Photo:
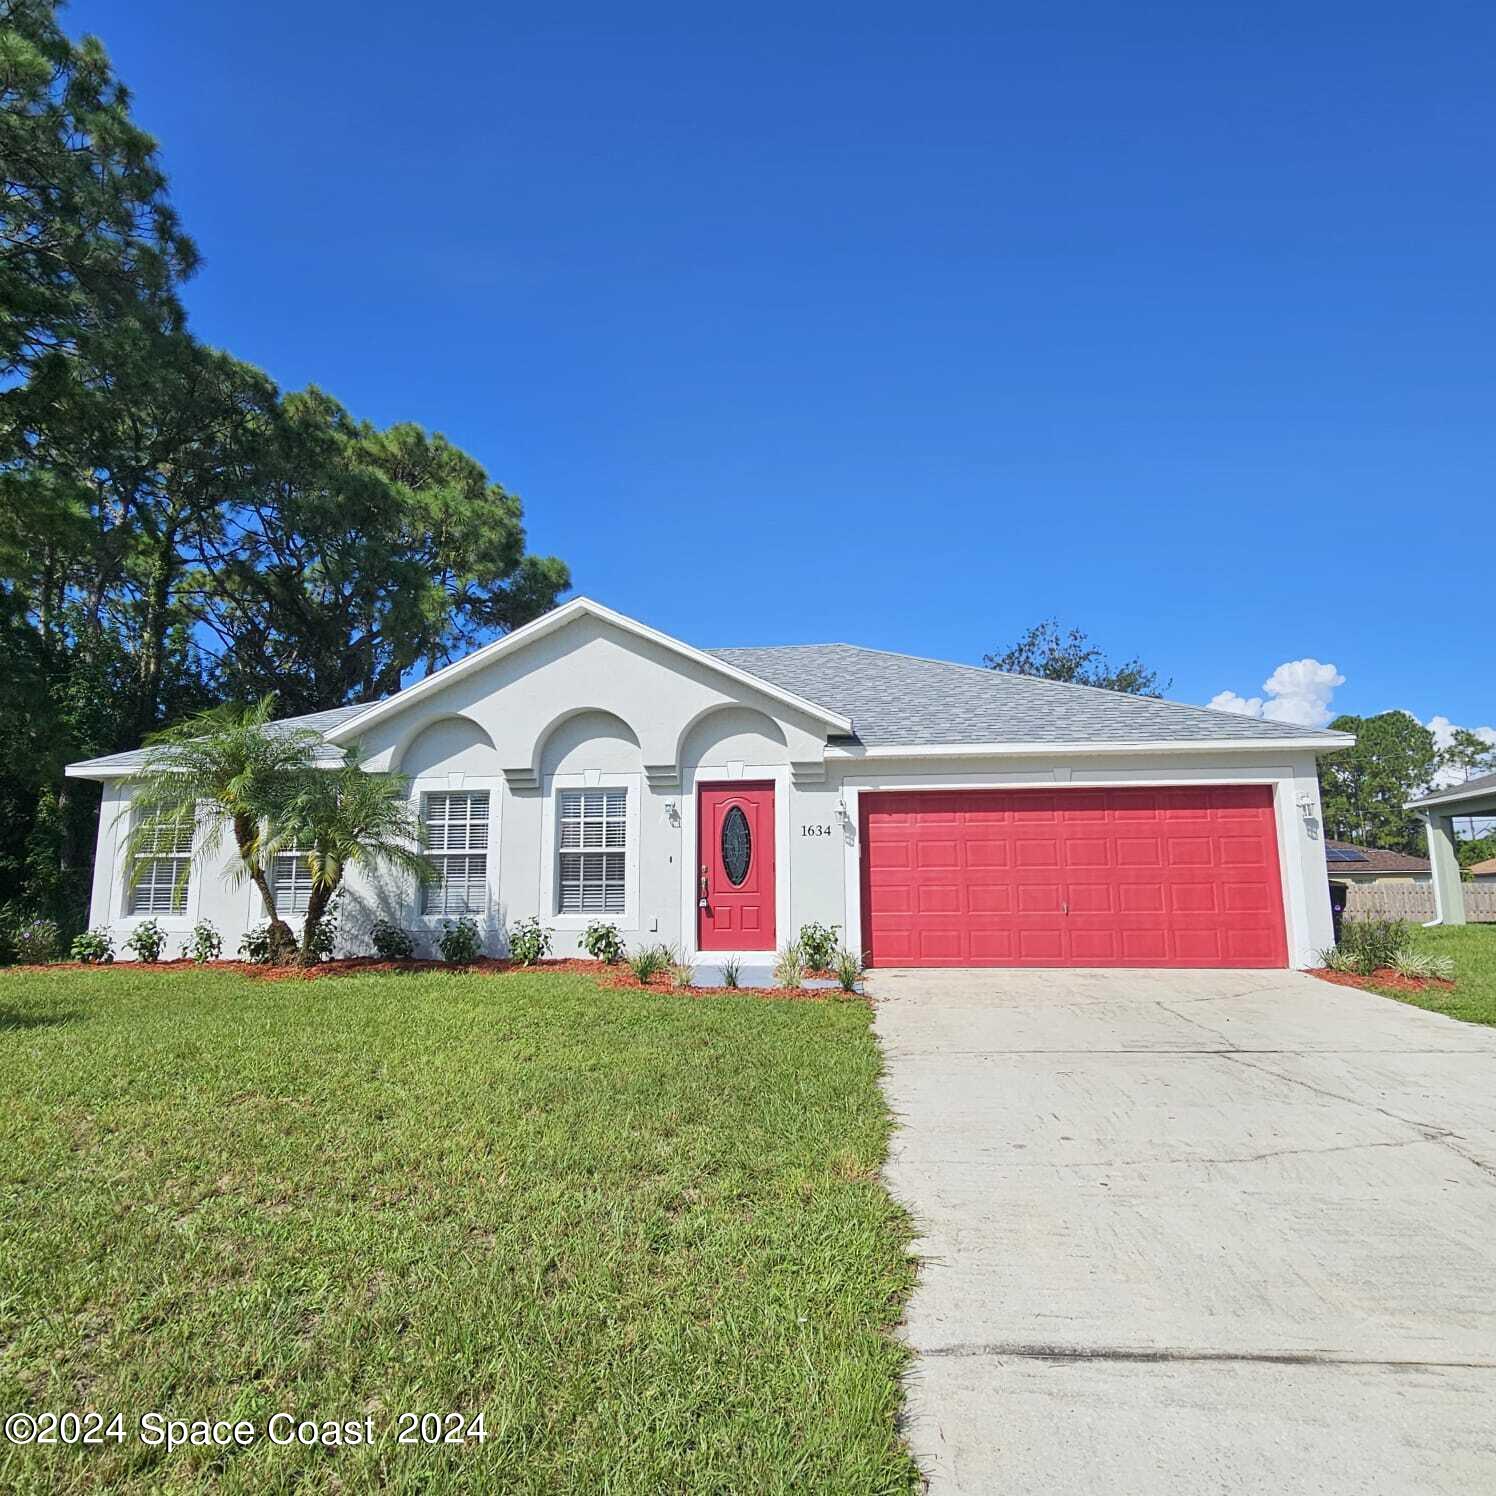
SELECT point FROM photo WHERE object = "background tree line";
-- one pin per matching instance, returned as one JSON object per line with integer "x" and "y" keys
{"x": 175, "y": 531}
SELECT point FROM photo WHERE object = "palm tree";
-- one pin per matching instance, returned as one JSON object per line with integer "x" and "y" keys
{"x": 338, "y": 817}
{"x": 224, "y": 769}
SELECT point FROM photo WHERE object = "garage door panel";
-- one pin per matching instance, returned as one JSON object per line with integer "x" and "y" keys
{"x": 1172, "y": 877}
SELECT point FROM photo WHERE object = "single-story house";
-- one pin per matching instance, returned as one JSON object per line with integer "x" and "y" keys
{"x": 588, "y": 767}
{"x": 1483, "y": 872}
{"x": 1348, "y": 863}
{"x": 1476, "y": 797}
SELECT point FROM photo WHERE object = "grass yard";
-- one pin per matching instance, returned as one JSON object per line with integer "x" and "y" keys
{"x": 1473, "y": 948}
{"x": 643, "y": 1236}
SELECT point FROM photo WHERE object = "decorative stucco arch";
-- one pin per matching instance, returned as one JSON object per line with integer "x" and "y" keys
{"x": 467, "y": 736}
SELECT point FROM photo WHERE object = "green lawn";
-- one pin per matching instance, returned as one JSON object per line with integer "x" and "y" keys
{"x": 1473, "y": 948}
{"x": 643, "y": 1236}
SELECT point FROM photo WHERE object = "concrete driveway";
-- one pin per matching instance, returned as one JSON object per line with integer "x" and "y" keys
{"x": 1194, "y": 1232}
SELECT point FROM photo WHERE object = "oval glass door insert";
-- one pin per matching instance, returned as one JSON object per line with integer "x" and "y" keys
{"x": 737, "y": 846}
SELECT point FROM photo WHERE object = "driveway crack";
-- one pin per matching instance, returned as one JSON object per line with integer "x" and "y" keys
{"x": 1426, "y": 1131}
{"x": 1152, "y": 1355}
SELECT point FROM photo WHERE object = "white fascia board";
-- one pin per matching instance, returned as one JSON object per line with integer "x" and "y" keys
{"x": 85, "y": 770}
{"x": 549, "y": 623}
{"x": 1048, "y": 750}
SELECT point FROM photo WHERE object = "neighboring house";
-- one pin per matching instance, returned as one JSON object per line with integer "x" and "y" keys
{"x": 1348, "y": 863}
{"x": 587, "y": 767}
{"x": 1483, "y": 872}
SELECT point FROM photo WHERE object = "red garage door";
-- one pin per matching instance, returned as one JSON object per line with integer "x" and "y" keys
{"x": 1166, "y": 877}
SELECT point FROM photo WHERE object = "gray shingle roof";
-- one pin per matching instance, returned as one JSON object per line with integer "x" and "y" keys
{"x": 134, "y": 758}
{"x": 1482, "y": 787}
{"x": 902, "y": 699}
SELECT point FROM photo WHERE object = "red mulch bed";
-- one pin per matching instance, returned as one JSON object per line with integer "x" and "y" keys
{"x": 1383, "y": 976}
{"x": 489, "y": 966}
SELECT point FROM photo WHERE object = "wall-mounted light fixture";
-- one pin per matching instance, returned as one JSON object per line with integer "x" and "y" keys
{"x": 672, "y": 812}
{"x": 841, "y": 811}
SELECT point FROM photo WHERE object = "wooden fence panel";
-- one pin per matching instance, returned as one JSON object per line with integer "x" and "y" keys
{"x": 1416, "y": 901}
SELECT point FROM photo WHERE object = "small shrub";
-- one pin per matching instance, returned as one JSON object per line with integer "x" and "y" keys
{"x": 255, "y": 946}
{"x": 732, "y": 972}
{"x": 147, "y": 940}
{"x": 96, "y": 947}
{"x": 529, "y": 940}
{"x": 682, "y": 972}
{"x": 1372, "y": 943}
{"x": 789, "y": 968}
{"x": 204, "y": 944}
{"x": 1422, "y": 966}
{"x": 848, "y": 969}
{"x": 602, "y": 942}
{"x": 649, "y": 961}
{"x": 818, "y": 945}
{"x": 1334, "y": 959}
{"x": 36, "y": 941}
{"x": 460, "y": 943}
{"x": 391, "y": 943}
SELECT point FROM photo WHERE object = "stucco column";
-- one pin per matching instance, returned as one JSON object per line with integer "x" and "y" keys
{"x": 1449, "y": 897}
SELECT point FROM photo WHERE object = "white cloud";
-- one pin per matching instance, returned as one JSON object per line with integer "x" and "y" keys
{"x": 1444, "y": 730}
{"x": 1297, "y": 691}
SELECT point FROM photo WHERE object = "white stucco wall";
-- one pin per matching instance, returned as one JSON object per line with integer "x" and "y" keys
{"x": 589, "y": 705}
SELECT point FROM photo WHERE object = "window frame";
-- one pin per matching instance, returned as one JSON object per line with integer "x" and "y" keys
{"x": 289, "y": 911}
{"x": 131, "y": 864}
{"x": 554, "y": 786}
{"x": 457, "y": 784}
{"x": 603, "y": 821}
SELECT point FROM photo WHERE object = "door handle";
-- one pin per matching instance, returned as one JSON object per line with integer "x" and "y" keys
{"x": 1064, "y": 906}
{"x": 701, "y": 902}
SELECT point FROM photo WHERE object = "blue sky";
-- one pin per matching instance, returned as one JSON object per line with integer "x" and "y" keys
{"x": 901, "y": 325}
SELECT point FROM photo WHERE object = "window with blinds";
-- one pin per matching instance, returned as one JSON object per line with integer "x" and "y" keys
{"x": 593, "y": 843}
{"x": 457, "y": 842}
{"x": 162, "y": 869}
{"x": 292, "y": 883}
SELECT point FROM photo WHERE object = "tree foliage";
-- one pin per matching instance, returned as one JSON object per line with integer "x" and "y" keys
{"x": 1052, "y": 653}
{"x": 1364, "y": 789}
{"x": 359, "y": 555}
{"x": 175, "y": 532}
{"x": 88, "y": 238}
{"x": 346, "y": 817}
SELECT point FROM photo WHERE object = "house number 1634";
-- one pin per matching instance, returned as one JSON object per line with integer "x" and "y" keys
{"x": 815, "y": 830}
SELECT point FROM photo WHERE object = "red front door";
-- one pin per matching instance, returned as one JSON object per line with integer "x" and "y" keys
{"x": 735, "y": 867}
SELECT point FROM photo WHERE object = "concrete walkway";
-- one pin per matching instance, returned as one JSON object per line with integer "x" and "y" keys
{"x": 1190, "y": 1232}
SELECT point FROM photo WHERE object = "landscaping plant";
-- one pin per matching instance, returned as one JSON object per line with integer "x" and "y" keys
{"x": 848, "y": 969}
{"x": 732, "y": 971}
{"x": 391, "y": 943}
{"x": 95, "y": 947}
{"x": 147, "y": 940}
{"x": 255, "y": 946}
{"x": 341, "y": 817}
{"x": 204, "y": 944}
{"x": 789, "y": 967}
{"x": 1422, "y": 966}
{"x": 818, "y": 946}
{"x": 648, "y": 961}
{"x": 460, "y": 943}
{"x": 602, "y": 942}
{"x": 1373, "y": 943}
{"x": 223, "y": 770}
{"x": 529, "y": 940}
{"x": 36, "y": 941}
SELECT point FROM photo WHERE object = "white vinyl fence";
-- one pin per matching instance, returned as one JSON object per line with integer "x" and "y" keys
{"x": 1416, "y": 900}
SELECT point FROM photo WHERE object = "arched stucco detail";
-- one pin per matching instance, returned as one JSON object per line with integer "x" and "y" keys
{"x": 449, "y": 745}
{"x": 587, "y": 738}
{"x": 729, "y": 732}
